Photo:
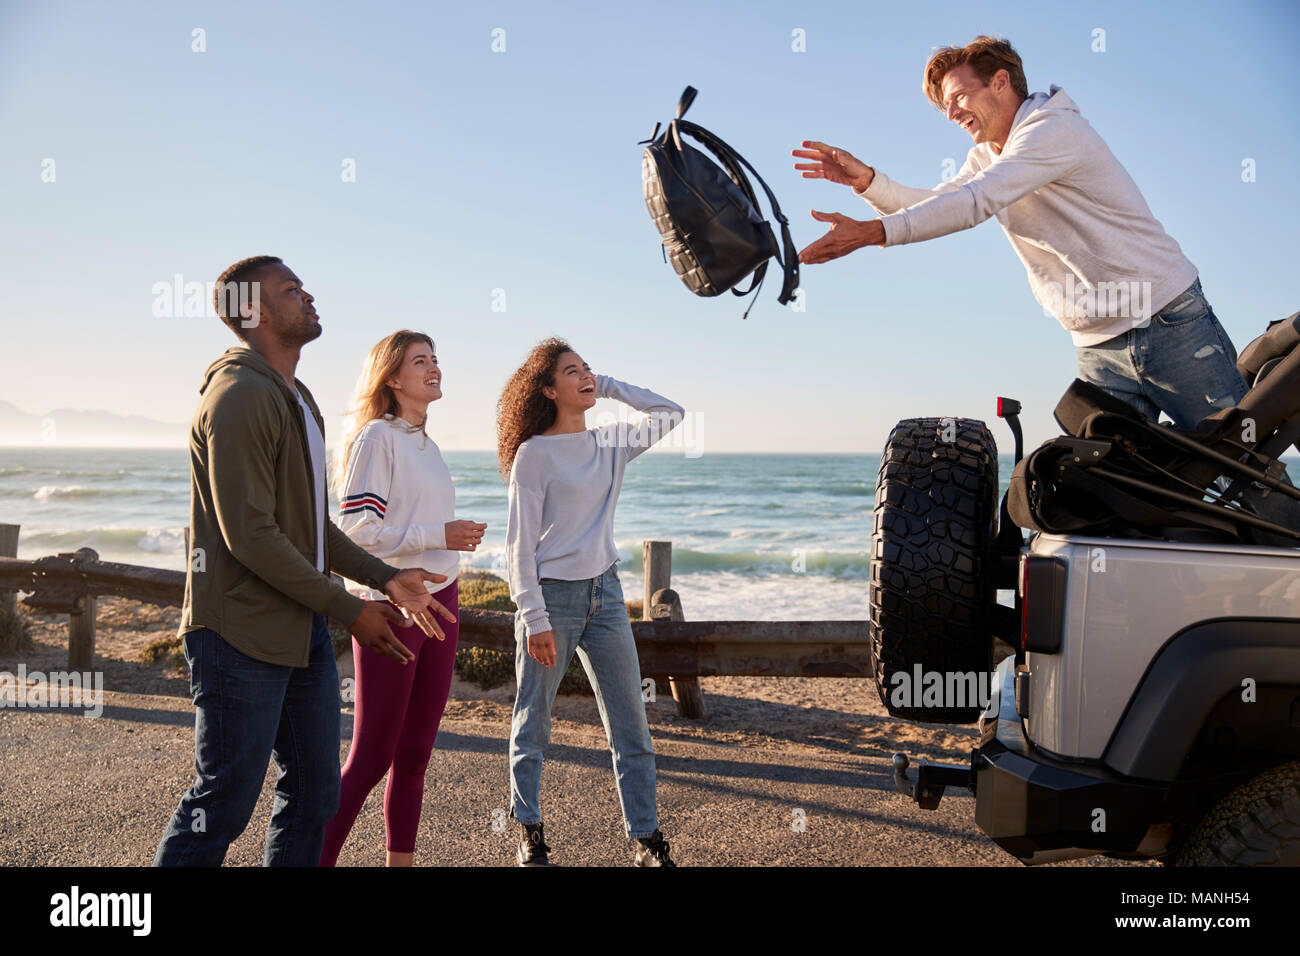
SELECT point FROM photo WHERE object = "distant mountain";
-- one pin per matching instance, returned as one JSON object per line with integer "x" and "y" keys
{"x": 76, "y": 426}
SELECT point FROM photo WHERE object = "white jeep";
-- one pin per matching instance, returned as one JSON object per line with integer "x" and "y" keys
{"x": 1148, "y": 704}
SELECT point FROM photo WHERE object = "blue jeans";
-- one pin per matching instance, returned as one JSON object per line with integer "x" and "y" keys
{"x": 588, "y": 617}
{"x": 1181, "y": 363}
{"x": 246, "y": 712}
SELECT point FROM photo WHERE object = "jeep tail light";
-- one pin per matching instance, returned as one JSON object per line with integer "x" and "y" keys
{"x": 1042, "y": 603}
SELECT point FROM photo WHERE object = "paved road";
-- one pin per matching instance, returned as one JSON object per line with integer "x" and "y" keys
{"x": 99, "y": 792}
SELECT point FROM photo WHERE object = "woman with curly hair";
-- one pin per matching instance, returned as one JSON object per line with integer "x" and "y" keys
{"x": 397, "y": 501}
{"x": 564, "y": 480}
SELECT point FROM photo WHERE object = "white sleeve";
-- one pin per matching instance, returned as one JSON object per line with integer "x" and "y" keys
{"x": 662, "y": 415}
{"x": 363, "y": 505}
{"x": 523, "y": 528}
{"x": 886, "y": 196}
{"x": 1040, "y": 151}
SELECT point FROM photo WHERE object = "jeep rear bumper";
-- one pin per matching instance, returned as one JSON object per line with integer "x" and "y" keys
{"x": 1036, "y": 807}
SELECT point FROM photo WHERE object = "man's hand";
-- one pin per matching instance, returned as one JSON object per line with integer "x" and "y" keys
{"x": 541, "y": 648}
{"x": 371, "y": 629}
{"x": 837, "y": 165}
{"x": 464, "y": 535}
{"x": 844, "y": 236}
{"x": 406, "y": 590}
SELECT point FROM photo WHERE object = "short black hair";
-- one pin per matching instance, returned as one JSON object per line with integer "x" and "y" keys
{"x": 227, "y": 306}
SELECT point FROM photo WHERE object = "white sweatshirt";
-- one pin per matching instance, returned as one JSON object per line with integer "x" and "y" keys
{"x": 563, "y": 491}
{"x": 397, "y": 499}
{"x": 1098, "y": 261}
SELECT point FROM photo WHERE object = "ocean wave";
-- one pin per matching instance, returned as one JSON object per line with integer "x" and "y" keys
{"x": 58, "y": 492}
{"x": 835, "y": 564}
{"x": 844, "y": 565}
{"x": 46, "y": 492}
{"x": 114, "y": 541}
{"x": 162, "y": 540}
{"x": 854, "y": 490}
{"x": 738, "y": 597}
{"x": 15, "y": 470}
{"x": 82, "y": 473}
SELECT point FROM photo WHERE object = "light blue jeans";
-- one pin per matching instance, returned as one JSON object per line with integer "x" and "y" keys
{"x": 588, "y": 617}
{"x": 1182, "y": 363}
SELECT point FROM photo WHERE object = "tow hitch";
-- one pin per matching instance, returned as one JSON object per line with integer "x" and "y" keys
{"x": 932, "y": 779}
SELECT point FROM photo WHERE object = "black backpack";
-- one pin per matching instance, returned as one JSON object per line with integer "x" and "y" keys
{"x": 712, "y": 231}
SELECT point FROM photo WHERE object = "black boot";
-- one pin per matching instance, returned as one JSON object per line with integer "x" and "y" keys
{"x": 652, "y": 851}
{"x": 533, "y": 849}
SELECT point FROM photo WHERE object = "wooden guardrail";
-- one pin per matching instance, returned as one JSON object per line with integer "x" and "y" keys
{"x": 669, "y": 647}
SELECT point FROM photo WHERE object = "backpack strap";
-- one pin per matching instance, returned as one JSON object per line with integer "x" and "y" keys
{"x": 730, "y": 159}
{"x": 683, "y": 104}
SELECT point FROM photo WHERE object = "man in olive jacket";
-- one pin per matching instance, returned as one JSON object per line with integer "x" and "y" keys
{"x": 258, "y": 592}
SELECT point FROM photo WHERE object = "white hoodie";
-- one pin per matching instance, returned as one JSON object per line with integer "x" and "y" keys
{"x": 1098, "y": 261}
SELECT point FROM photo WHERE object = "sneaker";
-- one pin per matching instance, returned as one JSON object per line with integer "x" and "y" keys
{"x": 533, "y": 849}
{"x": 652, "y": 851}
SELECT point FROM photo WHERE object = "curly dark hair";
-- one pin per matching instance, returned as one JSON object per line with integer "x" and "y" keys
{"x": 523, "y": 411}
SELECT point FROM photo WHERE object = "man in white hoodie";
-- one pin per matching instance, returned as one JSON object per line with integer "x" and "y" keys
{"x": 1097, "y": 260}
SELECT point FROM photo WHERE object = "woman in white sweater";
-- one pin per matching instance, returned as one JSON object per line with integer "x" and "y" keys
{"x": 564, "y": 483}
{"x": 397, "y": 501}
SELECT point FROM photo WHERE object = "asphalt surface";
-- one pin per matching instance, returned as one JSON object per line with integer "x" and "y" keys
{"x": 93, "y": 792}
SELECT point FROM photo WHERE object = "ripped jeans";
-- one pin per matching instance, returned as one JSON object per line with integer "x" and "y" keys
{"x": 1182, "y": 363}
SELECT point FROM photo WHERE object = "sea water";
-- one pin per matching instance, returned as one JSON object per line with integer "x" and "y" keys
{"x": 754, "y": 537}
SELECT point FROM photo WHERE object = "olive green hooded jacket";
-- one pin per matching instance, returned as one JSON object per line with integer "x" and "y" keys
{"x": 252, "y": 574}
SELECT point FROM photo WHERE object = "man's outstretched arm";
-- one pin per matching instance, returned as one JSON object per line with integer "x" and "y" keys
{"x": 844, "y": 236}
{"x": 882, "y": 193}
{"x": 1039, "y": 152}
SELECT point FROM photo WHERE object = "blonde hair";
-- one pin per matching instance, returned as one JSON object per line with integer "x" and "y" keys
{"x": 373, "y": 398}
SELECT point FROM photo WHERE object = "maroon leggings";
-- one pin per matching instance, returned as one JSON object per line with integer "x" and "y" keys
{"x": 398, "y": 709}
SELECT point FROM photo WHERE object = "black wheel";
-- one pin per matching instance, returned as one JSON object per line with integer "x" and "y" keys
{"x": 932, "y": 587}
{"x": 1258, "y": 824}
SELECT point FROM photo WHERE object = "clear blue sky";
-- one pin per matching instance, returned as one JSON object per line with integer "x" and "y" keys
{"x": 521, "y": 171}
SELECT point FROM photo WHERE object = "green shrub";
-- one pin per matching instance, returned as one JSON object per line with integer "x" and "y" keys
{"x": 484, "y": 667}
{"x": 488, "y": 668}
{"x": 15, "y": 633}
{"x": 486, "y": 592}
{"x": 575, "y": 680}
{"x": 168, "y": 650}
{"x": 340, "y": 637}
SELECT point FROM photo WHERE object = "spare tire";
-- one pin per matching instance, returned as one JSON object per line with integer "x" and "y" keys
{"x": 932, "y": 589}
